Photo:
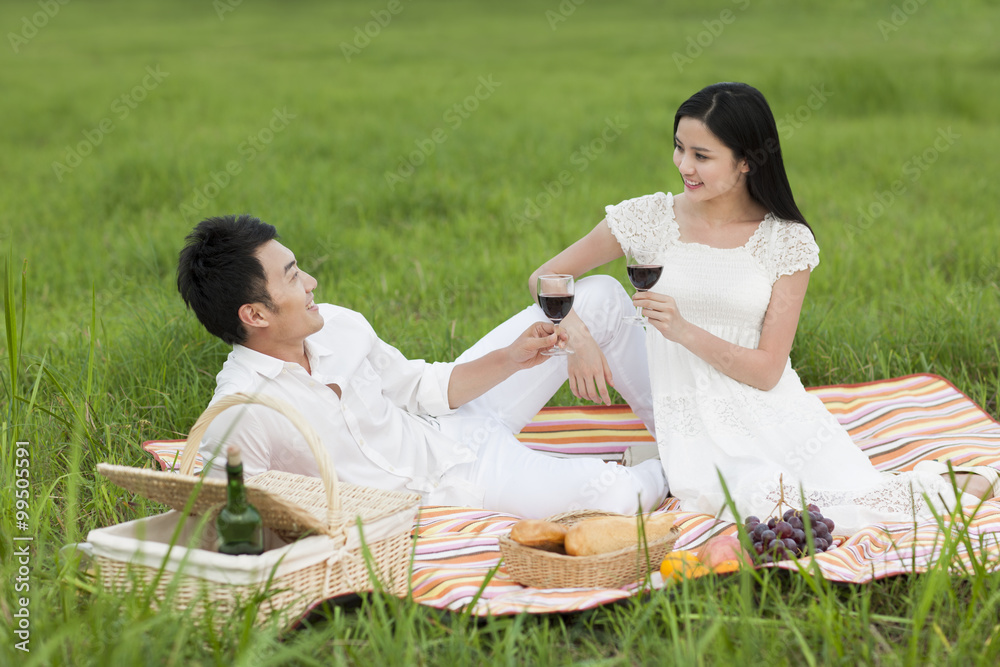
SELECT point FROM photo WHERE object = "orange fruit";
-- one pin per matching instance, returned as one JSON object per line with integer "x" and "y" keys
{"x": 679, "y": 565}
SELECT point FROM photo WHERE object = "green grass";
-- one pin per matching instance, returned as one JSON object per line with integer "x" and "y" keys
{"x": 104, "y": 356}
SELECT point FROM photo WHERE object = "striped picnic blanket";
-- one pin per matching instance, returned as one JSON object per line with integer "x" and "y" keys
{"x": 897, "y": 422}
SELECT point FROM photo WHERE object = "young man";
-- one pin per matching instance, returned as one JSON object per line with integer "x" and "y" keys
{"x": 442, "y": 430}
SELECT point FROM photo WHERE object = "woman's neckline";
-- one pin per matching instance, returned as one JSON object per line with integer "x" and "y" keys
{"x": 696, "y": 244}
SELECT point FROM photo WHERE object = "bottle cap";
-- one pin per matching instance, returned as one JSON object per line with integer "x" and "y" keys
{"x": 233, "y": 457}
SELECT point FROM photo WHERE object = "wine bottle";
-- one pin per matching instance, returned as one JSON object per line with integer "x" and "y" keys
{"x": 238, "y": 525}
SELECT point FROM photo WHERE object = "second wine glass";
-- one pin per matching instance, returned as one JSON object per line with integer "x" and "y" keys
{"x": 644, "y": 270}
{"x": 555, "y": 296}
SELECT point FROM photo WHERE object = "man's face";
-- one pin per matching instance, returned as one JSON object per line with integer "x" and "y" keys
{"x": 294, "y": 315}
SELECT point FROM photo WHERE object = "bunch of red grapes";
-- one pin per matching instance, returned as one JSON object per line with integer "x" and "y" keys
{"x": 784, "y": 538}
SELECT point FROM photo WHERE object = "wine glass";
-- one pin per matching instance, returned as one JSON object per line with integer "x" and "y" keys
{"x": 555, "y": 296}
{"x": 643, "y": 271}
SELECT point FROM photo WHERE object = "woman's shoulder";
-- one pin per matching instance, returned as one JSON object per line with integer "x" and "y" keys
{"x": 644, "y": 211}
{"x": 787, "y": 231}
{"x": 786, "y": 246}
{"x": 657, "y": 200}
{"x": 642, "y": 219}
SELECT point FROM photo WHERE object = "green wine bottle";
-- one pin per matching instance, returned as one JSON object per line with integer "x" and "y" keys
{"x": 239, "y": 525}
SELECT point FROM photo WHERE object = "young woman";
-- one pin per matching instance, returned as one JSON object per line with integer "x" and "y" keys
{"x": 736, "y": 255}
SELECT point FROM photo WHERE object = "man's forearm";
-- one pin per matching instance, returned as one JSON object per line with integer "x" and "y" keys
{"x": 474, "y": 378}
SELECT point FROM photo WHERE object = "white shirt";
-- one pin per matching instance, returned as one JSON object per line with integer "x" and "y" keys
{"x": 377, "y": 433}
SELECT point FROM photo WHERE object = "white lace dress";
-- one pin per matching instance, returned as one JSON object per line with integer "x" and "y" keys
{"x": 708, "y": 423}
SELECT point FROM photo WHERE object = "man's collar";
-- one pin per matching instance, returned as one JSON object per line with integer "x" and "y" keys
{"x": 269, "y": 366}
{"x": 315, "y": 350}
{"x": 258, "y": 362}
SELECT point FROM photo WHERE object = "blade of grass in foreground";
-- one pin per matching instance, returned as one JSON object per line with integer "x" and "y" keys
{"x": 14, "y": 337}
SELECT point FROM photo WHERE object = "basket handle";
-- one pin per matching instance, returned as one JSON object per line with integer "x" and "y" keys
{"x": 327, "y": 472}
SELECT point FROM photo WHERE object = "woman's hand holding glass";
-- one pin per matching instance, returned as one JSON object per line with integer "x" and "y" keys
{"x": 662, "y": 313}
{"x": 644, "y": 269}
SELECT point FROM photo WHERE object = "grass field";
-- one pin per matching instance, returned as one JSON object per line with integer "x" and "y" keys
{"x": 422, "y": 159}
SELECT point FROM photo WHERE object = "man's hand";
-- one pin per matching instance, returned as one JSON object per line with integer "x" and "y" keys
{"x": 526, "y": 350}
{"x": 473, "y": 378}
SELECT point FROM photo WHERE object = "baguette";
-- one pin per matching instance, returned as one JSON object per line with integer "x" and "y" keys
{"x": 611, "y": 533}
{"x": 546, "y": 535}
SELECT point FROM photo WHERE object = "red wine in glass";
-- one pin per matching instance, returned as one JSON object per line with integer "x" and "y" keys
{"x": 555, "y": 306}
{"x": 555, "y": 297}
{"x": 643, "y": 272}
{"x": 644, "y": 276}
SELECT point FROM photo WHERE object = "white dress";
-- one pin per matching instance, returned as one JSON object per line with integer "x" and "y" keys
{"x": 709, "y": 424}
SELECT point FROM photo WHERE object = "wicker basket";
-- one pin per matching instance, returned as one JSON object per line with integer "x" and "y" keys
{"x": 537, "y": 568}
{"x": 315, "y": 549}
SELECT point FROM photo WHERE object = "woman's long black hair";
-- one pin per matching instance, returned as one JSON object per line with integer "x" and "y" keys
{"x": 740, "y": 117}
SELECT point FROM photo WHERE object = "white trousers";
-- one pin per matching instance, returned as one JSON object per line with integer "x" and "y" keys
{"x": 508, "y": 476}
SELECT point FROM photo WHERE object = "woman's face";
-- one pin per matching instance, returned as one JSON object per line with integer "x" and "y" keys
{"x": 706, "y": 164}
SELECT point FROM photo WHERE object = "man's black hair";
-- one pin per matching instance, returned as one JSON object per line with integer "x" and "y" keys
{"x": 218, "y": 272}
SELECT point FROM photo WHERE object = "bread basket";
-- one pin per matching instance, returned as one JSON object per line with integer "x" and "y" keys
{"x": 537, "y": 568}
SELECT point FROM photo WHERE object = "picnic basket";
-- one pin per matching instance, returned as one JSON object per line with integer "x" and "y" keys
{"x": 323, "y": 538}
{"x": 537, "y": 568}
